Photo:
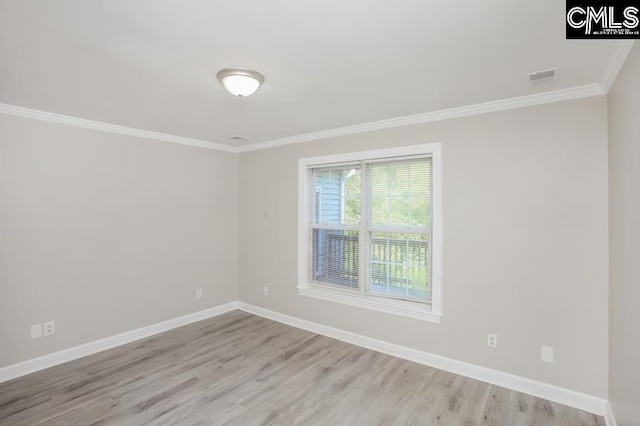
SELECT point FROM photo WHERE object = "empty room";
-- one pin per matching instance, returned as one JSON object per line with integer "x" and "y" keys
{"x": 319, "y": 213}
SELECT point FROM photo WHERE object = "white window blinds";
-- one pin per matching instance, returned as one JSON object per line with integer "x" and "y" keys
{"x": 399, "y": 232}
{"x": 371, "y": 227}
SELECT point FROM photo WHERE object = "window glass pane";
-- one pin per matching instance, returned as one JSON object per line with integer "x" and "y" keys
{"x": 337, "y": 195}
{"x": 401, "y": 193}
{"x": 335, "y": 257}
{"x": 400, "y": 265}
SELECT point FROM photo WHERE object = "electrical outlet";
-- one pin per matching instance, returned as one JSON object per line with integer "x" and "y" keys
{"x": 492, "y": 340}
{"x": 265, "y": 291}
{"x": 546, "y": 354}
{"x": 199, "y": 293}
{"x": 49, "y": 327}
{"x": 36, "y": 331}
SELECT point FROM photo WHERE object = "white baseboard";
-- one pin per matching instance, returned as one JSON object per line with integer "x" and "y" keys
{"x": 591, "y": 404}
{"x": 609, "y": 418}
{"x": 553, "y": 393}
{"x": 36, "y": 364}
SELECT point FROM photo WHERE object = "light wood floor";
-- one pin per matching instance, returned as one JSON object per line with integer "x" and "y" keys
{"x": 240, "y": 369}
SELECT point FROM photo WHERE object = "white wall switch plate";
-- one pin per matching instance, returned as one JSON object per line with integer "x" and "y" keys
{"x": 265, "y": 291}
{"x": 546, "y": 353}
{"x": 49, "y": 327}
{"x": 199, "y": 293}
{"x": 36, "y": 331}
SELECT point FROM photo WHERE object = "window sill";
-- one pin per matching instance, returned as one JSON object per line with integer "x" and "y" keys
{"x": 419, "y": 311}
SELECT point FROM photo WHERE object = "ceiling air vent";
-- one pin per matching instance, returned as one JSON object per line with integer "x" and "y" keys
{"x": 537, "y": 76}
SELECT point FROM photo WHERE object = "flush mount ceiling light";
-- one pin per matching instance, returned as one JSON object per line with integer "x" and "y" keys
{"x": 240, "y": 81}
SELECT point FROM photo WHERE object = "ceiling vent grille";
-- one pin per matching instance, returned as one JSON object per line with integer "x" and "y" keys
{"x": 542, "y": 75}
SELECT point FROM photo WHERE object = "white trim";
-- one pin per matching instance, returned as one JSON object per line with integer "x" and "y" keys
{"x": 415, "y": 310}
{"x": 609, "y": 418}
{"x": 436, "y": 230}
{"x": 432, "y": 311}
{"x": 36, "y": 364}
{"x": 304, "y": 191}
{"x": 446, "y": 114}
{"x": 589, "y": 403}
{"x": 110, "y": 128}
{"x": 592, "y": 404}
{"x": 621, "y": 50}
{"x": 355, "y": 156}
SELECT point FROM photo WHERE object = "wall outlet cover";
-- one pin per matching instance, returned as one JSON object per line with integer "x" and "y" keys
{"x": 492, "y": 340}
{"x": 49, "y": 327}
{"x": 546, "y": 354}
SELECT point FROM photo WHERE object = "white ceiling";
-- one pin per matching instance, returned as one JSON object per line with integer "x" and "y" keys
{"x": 151, "y": 64}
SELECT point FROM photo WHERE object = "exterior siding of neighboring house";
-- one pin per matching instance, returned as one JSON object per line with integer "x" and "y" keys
{"x": 328, "y": 210}
{"x": 329, "y": 196}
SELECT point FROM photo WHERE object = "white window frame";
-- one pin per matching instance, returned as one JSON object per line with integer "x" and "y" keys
{"x": 430, "y": 311}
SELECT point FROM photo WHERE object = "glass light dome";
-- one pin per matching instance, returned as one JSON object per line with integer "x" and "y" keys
{"x": 239, "y": 81}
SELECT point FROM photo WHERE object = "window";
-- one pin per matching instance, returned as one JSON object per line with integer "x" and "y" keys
{"x": 370, "y": 230}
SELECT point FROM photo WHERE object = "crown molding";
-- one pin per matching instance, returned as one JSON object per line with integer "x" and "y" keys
{"x": 111, "y": 128}
{"x": 619, "y": 55}
{"x": 446, "y": 114}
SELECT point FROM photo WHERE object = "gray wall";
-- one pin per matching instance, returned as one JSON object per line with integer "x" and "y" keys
{"x": 106, "y": 233}
{"x": 624, "y": 205}
{"x": 525, "y": 240}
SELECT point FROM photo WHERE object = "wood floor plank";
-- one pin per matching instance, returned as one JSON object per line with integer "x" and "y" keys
{"x": 240, "y": 369}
